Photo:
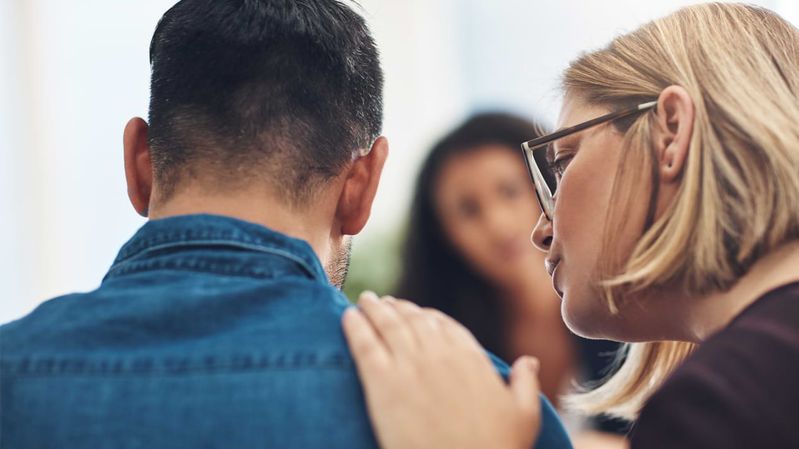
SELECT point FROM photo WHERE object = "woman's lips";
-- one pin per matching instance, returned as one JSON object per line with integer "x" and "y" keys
{"x": 555, "y": 282}
{"x": 552, "y": 265}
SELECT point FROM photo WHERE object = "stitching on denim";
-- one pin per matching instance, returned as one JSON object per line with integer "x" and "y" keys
{"x": 50, "y": 366}
{"x": 197, "y": 266}
{"x": 119, "y": 267}
{"x": 185, "y": 235}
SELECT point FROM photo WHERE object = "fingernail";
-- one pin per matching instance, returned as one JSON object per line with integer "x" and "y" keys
{"x": 350, "y": 311}
{"x": 351, "y": 317}
{"x": 368, "y": 295}
{"x": 534, "y": 364}
{"x": 527, "y": 362}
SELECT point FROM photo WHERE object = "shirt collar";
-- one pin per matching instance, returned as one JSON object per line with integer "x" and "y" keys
{"x": 217, "y": 230}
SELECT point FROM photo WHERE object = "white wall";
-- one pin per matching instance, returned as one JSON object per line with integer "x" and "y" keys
{"x": 72, "y": 73}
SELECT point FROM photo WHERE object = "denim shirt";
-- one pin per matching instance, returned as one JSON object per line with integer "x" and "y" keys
{"x": 207, "y": 332}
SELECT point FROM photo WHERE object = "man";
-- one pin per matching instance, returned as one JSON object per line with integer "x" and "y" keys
{"x": 218, "y": 325}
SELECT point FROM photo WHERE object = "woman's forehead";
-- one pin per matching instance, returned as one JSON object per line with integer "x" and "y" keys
{"x": 575, "y": 110}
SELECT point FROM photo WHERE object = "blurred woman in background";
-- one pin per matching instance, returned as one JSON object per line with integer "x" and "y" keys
{"x": 468, "y": 250}
{"x": 468, "y": 253}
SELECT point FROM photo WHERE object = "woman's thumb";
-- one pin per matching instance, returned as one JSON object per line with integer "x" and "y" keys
{"x": 524, "y": 386}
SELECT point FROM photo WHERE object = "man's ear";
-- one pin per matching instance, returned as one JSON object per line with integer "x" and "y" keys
{"x": 675, "y": 124}
{"x": 360, "y": 188}
{"x": 138, "y": 167}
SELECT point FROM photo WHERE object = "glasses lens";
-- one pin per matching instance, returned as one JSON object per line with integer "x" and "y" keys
{"x": 542, "y": 176}
{"x": 544, "y": 166}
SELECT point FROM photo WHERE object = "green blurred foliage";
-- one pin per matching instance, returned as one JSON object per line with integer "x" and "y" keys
{"x": 375, "y": 264}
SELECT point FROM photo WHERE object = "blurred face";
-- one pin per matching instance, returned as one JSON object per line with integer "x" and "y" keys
{"x": 485, "y": 203}
{"x": 574, "y": 239}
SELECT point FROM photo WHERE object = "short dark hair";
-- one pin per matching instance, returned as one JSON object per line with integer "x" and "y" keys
{"x": 434, "y": 273}
{"x": 282, "y": 90}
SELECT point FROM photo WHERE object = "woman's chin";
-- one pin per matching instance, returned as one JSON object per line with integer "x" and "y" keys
{"x": 585, "y": 317}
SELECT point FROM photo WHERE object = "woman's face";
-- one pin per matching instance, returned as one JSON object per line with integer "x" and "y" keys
{"x": 485, "y": 202}
{"x": 574, "y": 238}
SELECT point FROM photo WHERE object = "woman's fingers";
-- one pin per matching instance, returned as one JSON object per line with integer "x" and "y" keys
{"x": 388, "y": 324}
{"x": 404, "y": 328}
{"x": 421, "y": 321}
{"x": 456, "y": 333}
{"x": 525, "y": 389}
{"x": 421, "y": 370}
{"x": 368, "y": 349}
{"x": 426, "y": 321}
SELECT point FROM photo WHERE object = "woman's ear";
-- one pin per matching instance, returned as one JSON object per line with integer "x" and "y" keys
{"x": 138, "y": 167}
{"x": 675, "y": 125}
{"x": 360, "y": 187}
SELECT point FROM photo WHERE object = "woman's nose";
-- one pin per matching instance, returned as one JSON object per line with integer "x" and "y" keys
{"x": 501, "y": 221}
{"x": 542, "y": 234}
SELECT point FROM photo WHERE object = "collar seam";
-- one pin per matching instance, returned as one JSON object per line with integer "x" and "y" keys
{"x": 253, "y": 247}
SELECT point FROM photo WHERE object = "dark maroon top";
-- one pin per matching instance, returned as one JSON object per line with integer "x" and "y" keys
{"x": 740, "y": 389}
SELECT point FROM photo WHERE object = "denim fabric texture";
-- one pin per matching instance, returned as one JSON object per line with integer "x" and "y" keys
{"x": 207, "y": 332}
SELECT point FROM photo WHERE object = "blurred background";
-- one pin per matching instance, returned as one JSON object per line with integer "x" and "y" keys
{"x": 72, "y": 73}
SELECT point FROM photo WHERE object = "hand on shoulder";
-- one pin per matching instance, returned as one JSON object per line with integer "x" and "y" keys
{"x": 429, "y": 384}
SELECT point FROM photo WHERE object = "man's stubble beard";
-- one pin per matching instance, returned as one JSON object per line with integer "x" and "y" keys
{"x": 339, "y": 265}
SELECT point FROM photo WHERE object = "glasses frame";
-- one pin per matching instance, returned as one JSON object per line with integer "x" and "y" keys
{"x": 546, "y": 199}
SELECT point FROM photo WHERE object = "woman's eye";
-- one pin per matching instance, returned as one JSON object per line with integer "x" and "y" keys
{"x": 559, "y": 165}
{"x": 468, "y": 209}
{"x": 509, "y": 190}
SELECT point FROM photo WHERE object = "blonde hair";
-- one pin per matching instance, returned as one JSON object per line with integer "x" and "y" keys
{"x": 739, "y": 195}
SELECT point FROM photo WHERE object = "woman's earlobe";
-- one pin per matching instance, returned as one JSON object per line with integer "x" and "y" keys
{"x": 673, "y": 161}
{"x": 669, "y": 156}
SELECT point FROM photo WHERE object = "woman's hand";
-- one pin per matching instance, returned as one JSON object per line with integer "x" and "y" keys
{"x": 429, "y": 384}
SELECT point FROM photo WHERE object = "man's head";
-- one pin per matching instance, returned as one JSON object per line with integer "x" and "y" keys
{"x": 280, "y": 97}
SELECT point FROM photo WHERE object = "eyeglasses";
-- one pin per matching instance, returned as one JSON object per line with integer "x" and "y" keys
{"x": 538, "y": 154}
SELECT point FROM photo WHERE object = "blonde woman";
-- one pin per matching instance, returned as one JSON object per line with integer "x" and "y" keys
{"x": 671, "y": 200}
